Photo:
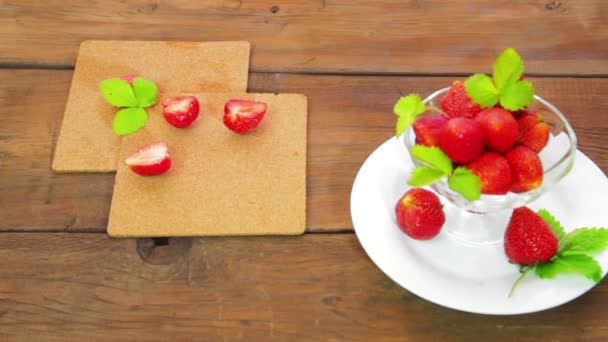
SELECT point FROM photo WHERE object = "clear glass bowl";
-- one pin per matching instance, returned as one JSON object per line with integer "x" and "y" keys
{"x": 483, "y": 221}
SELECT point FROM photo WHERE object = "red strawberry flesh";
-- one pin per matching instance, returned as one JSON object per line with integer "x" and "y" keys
{"x": 242, "y": 116}
{"x": 181, "y": 111}
{"x": 150, "y": 160}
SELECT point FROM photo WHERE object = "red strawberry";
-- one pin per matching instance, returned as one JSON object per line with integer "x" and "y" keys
{"x": 456, "y": 103}
{"x": 528, "y": 238}
{"x": 536, "y": 137}
{"x": 420, "y": 214}
{"x": 242, "y": 116}
{"x": 526, "y": 169}
{"x": 129, "y": 78}
{"x": 500, "y": 128}
{"x": 527, "y": 120}
{"x": 493, "y": 172}
{"x": 428, "y": 128}
{"x": 461, "y": 139}
{"x": 150, "y": 160}
{"x": 180, "y": 111}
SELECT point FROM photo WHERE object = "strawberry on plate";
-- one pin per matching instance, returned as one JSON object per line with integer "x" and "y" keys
{"x": 242, "y": 116}
{"x": 528, "y": 238}
{"x": 181, "y": 111}
{"x": 150, "y": 160}
{"x": 420, "y": 214}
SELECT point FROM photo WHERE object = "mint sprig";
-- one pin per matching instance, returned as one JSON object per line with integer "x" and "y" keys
{"x": 506, "y": 86}
{"x": 407, "y": 110}
{"x": 573, "y": 253}
{"x": 133, "y": 99}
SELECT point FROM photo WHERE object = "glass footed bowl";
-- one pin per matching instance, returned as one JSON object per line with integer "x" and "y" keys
{"x": 483, "y": 221}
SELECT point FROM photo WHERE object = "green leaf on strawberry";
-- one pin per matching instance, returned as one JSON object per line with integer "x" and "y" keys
{"x": 145, "y": 92}
{"x": 508, "y": 68}
{"x": 424, "y": 175}
{"x": 433, "y": 157}
{"x": 481, "y": 90}
{"x": 517, "y": 95}
{"x": 505, "y": 88}
{"x": 584, "y": 241}
{"x": 129, "y": 120}
{"x": 577, "y": 263}
{"x": 133, "y": 97}
{"x": 464, "y": 182}
{"x": 118, "y": 93}
{"x": 407, "y": 109}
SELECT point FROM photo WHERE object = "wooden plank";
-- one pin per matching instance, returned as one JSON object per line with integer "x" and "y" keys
{"x": 337, "y": 36}
{"x": 312, "y": 287}
{"x": 349, "y": 116}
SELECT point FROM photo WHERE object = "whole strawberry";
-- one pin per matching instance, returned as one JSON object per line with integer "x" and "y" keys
{"x": 462, "y": 139}
{"x": 526, "y": 169}
{"x": 537, "y": 137}
{"x": 529, "y": 239}
{"x": 500, "y": 128}
{"x": 428, "y": 128}
{"x": 493, "y": 172}
{"x": 420, "y": 214}
{"x": 456, "y": 103}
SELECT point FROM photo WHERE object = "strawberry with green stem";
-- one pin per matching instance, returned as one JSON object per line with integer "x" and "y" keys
{"x": 538, "y": 242}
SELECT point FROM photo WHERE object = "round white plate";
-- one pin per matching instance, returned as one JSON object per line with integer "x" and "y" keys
{"x": 464, "y": 277}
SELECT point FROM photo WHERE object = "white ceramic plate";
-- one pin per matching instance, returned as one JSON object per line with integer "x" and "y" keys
{"x": 459, "y": 276}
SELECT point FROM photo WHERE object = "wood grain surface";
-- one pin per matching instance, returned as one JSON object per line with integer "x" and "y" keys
{"x": 349, "y": 116}
{"x": 316, "y": 287}
{"x": 330, "y": 36}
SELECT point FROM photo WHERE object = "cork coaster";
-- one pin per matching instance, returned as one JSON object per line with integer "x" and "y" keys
{"x": 220, "y": 182}
{"x": 87, "y": 141}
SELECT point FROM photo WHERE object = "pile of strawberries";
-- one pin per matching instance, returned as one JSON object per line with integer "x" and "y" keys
{"x": 500, "y": 147}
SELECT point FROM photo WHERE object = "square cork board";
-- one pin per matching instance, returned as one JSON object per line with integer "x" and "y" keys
{"x": 174, "y": 66}
{"x": 220, "y": 182}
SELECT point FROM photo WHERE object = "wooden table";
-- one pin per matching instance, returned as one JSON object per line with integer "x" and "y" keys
{"x": 62, "y": 278}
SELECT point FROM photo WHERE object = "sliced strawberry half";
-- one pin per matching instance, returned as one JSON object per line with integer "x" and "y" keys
{"x": 242, "y": 116}
{"x": 150, "y": 160}
{"x": 181, "y": 111}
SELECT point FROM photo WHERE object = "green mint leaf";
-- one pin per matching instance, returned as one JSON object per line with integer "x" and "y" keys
{"x": 578, "y": 263}
{"x": 508, "y": 68}
{"x": 129, "y": 120}
{"x": 584, "y": 241}
{"x": 516, "y": 96}
{"x": 480, "y": 88}
{"x": 556, "y": 227}
{"x": 407, "y": 109}
{"x": 464, "y": 182}
{"x": 433, "y": 157}
{"x": 403, "y": 122}
{"x": 424, "y": 175}
{"x": 118, "y": 92}
{"x": 145, "y": 92}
